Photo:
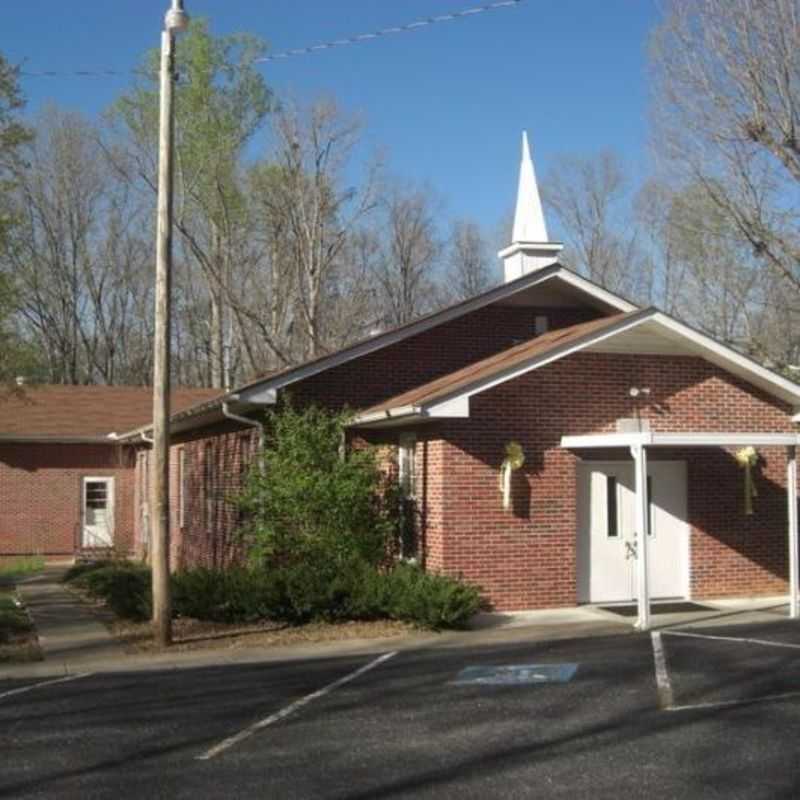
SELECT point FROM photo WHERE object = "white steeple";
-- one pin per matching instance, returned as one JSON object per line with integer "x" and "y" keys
{"x": 530, "y": 249}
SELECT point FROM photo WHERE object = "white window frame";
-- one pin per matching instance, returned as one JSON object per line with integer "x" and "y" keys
{"x": 406, "y": 464}
{"x": 108, "y": 480}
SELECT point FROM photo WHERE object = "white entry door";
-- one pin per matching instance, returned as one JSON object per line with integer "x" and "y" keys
{"x": 607, "y": 537}
{"x": 98, "y": 512}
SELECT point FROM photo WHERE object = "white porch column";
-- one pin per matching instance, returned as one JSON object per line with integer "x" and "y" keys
{"x": 791, "y": 492}
{"x": 642, "y": 519}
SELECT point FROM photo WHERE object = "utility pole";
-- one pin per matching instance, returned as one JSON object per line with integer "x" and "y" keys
{"x": 175, "y": 21}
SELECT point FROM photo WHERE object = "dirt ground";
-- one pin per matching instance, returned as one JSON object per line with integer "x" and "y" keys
{"x": 192, "y": 634}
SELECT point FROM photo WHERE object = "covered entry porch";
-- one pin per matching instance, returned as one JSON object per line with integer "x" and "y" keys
{"x": 637, "y": 446}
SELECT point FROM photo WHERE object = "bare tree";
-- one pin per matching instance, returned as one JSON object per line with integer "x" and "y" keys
{"x": 726, "y": 78}
{"x": 80, "y": 256}
{"x": 589, "y": 196}
{"x": 469, "y": 262}
{"x": 410, "y": 253}
{"x": 316, "y": 210}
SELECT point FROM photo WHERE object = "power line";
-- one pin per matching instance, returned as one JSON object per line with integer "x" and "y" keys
{"x": 301, "y": 51}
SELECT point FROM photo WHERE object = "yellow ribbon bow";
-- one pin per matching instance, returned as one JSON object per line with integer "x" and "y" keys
{"x": 747, "y": 458}
{"x": 515, "y": 458}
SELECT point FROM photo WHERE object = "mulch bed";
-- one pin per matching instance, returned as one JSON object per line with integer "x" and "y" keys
{"x": 193, "y": 634}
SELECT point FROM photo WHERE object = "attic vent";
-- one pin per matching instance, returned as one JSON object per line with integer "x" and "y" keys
{"x": 541, "y": 324}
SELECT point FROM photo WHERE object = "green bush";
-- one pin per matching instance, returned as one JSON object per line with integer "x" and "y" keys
{"x": 430, "y": 600}
{"x": 308, "y": 503}
{"x": 358, "y": 591}
{"x": 124, "y": 586}
{"x": 236, "y": 594}
{"x": 296, "y": 593}
{"x": 80, "y": 569}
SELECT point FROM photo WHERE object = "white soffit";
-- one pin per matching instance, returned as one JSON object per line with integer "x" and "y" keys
{"x": 656, "y": 439}
{"x": 663, "y": 335}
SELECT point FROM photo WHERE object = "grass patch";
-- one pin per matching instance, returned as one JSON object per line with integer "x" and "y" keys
{"x": 17, "y": 636}
{"x": 12, "y": 569}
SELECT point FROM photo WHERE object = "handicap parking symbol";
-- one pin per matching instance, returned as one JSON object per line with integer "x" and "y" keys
{"x": 516, "y": 674}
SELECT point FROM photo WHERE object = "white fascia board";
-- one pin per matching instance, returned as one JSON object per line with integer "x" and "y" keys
{"x": 440, "y": 408}
{"x": 733, "y": 439}
{"x": 656, "y": 439}
{"x": 726, "y": 357}
{"x": 255, "y": 395}
{"x": 605, "y": 440}
{"x": 385, "y": 416}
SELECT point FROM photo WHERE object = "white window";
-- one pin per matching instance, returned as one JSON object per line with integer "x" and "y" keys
{"x": 541, "y": 324}
{"x": 98, "y": 512}
{"x": 406, "y": 466}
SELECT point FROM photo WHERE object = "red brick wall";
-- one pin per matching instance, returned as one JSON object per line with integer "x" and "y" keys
{"x": 214, "y": 472}
{"x": 208, "y": 536}
{"x": 526, "y": 558}
{"x": 429, "y": 355}
{"x": 40, "y": 495}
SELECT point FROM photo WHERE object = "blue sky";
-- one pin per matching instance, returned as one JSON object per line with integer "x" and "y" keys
{"x": 446, "y": 104}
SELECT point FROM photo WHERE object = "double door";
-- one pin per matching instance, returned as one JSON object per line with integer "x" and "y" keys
{"x": 608, "y": 542}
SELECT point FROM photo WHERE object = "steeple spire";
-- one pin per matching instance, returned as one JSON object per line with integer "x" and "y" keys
{"x": 530, "y": 249}
{"x": 529, "y": 225}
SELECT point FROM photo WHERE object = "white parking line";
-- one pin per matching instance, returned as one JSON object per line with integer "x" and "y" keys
{"x": 732, "y": 639}
{"x": 30, "y": 688}
{"x": 749, "y": 701}
{"x": 663, "y": 683}
{"x": 226, "y": 744}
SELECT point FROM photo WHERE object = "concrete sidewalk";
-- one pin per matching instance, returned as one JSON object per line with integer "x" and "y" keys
{"x": 71, "y": 636}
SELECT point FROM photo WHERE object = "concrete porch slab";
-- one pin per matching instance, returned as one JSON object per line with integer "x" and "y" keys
{"x": 584, "y": 619}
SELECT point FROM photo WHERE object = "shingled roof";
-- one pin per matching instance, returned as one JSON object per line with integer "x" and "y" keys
{"x": 82, "y": 413}
{"x": 493, "y": 365}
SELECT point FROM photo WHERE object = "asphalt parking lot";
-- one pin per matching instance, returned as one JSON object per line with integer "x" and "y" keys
{"x": 598, "y": 717}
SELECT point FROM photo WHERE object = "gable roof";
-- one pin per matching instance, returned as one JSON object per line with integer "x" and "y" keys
{"x": 448, "y": 396}
{"x": 506, "y": 359}
{"x": 82, "y": 413}
{"x": 556, "y": 273}
{"x": 263, "y": 390}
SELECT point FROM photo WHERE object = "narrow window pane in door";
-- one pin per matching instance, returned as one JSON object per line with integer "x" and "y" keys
{"x": 611, "y": 507}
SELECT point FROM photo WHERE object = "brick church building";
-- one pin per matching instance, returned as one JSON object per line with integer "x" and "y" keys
{"x": 560, "y": 444}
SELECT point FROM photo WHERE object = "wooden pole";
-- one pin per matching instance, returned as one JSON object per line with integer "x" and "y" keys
{"x": 794, "y": 567}
{"x": 159, "y": 491}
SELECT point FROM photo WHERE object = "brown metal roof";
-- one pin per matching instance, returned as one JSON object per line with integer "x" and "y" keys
{"x": 493, "y": 365}
{"x": 83, "y": 412}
